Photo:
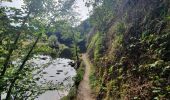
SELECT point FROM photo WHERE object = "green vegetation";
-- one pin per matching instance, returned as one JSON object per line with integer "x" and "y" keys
{"x": 71, "y": 95}
{"x": 29, "y": 31}
{"x": 43, "y": 49}
{"x": 80, "y": 74}
{"x": 78, "y": 78}
{"x": 128, "y": 42}
{"x": 131, "y": 53}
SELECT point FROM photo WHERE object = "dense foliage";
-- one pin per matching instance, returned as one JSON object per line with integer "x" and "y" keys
{"x": 130, "y": 49}
{"x": 128, "y": 42}
{"x": 24, "y": 32}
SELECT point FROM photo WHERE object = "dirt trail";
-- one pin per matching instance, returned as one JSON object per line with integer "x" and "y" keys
{"x": 84, "y": 91}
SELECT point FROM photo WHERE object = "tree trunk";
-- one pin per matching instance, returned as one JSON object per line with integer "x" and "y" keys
{"x": 9, "y": 56}
{"x": 77, "y": 56}
{"x": 20, "y": 69}
{"x": 10, "y": 88}
{"x": 12, "y": 49}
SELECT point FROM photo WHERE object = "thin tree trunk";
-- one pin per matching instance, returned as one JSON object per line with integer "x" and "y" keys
{"x": 76, "y": 49}
{"x": 9, "y": 56}
{"x": 10, "y": 88}
{"x": 0, "y": 41}
{"x": 15, "y": 97}
{"x": 77, "y": 56}
{"x": 12, "y": 49}
{"x": 20, "y": 69}
{"x": 28, "y": 96}
{"x": 26, "y": 58}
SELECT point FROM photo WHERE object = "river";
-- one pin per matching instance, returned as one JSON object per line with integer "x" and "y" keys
{"x": 56, "y": 72}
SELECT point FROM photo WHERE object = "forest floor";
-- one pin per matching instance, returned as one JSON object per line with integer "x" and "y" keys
{"x": 84, "y": 90}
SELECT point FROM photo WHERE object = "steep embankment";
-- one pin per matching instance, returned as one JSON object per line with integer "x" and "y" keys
{"x": 84, "y": 91}
{"x": 131, "y": 51}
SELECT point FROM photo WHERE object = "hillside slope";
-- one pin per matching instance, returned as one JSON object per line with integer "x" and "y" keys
{"x": 131, "y": 52}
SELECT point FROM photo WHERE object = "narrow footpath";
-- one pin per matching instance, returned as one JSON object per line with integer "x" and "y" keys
{"x": 84, "y": 91}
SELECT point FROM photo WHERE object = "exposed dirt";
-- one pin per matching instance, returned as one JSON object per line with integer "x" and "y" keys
{"x": 84, "y": 91}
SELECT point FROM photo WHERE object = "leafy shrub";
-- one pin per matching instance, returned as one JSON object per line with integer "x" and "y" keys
{"x": 43, "y": 49}
{"x": 80, "y": 74}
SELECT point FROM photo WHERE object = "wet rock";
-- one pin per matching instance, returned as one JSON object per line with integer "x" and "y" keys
{"x": 44, "y": 72}
{"x": 59, "y": 70}
{"x": 37, "y": 78}
{"x": 43, "y": 58}
{"x": 58, "y": 73}
{"x": 60, "y": 63}
{"x": 72, "y": 64}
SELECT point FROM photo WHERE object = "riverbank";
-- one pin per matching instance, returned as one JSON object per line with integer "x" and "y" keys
{"x": 81, "y": 89}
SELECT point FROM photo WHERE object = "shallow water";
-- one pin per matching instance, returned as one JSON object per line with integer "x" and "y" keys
{"x": 57, "y": 72}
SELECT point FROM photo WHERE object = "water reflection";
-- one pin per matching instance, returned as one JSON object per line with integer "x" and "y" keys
{"x": 57, "y": 73}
